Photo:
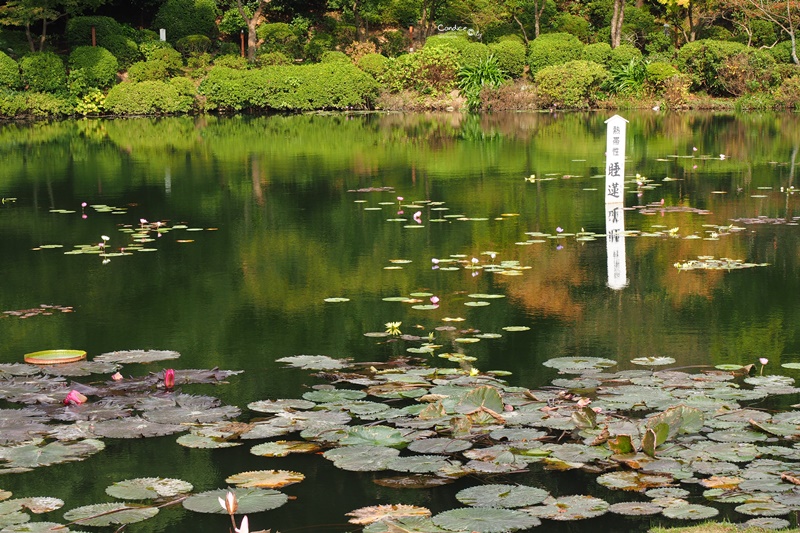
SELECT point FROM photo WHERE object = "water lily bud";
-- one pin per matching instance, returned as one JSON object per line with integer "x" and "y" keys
{"x": 230, "y": 504}
{"x": 116, "y": 376}
{"x": 74, "y": 398}
{"x": 169, "y": 378}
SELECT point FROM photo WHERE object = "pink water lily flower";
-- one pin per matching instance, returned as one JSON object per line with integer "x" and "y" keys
{"x": 116, "y": 376}
{"x": 245, "y": 527}
{"x": 230, "y": 504}
{"x": 169, "y": 379}
{"x": 435, "y": 300}
{"x": 74, "y": 398}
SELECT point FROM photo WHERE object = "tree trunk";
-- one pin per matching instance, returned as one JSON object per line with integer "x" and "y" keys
{"x": 252, "y": 38}
{"x": 616, "y": 23}
{"x": 359, "y": 22}
{"x": 521, "y": 27}
{"x": 692, "y": 29}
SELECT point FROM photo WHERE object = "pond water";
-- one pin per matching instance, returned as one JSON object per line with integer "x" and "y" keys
{"x": 286, "y": 237}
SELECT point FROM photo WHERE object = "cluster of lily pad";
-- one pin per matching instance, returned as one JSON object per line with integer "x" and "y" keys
{"x": 706, "y": 262}
{"x": 42, "y": 310}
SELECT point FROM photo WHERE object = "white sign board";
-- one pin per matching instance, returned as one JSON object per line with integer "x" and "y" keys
{"x": 615, "y": 246}
{"x": 615, "y": 159}
{"x": 162, "y": 34}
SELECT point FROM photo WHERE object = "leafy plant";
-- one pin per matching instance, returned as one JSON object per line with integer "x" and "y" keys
{"x": 572, "y": 85}
{"x": 629, "y": 79}
{"x": 99, "y": 65}
{"x": 9, "y": 72}
{"x": 473, "y": 78}
{"x": 43, "y": 72}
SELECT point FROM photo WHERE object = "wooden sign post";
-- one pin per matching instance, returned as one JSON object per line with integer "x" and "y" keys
{"x": 615, "y": 202}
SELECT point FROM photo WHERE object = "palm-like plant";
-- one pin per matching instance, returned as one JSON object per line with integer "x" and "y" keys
{"x": 473, "y": 78}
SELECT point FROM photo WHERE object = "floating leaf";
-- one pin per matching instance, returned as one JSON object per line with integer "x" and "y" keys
{"x": 578, "y": 364}
{"x": 368, "y": 515}
{"x": 416, "y": 481}
{"x": 653, "y": 361}
{"x": 362, "y": 458}
{"x": 36, "y": 527}
{"x": 39, "y": 505}
{"x": 265, "y": 479}
{"x": 767, "y": 523}
{"x": 337, "y": 299}
{"x": 283, "y": 448}
{"x": 439, "y": 445}
{"x": 768, "y": 508}
{"x": 137, "y": 356}
{"x": 412, "y": 524}
{"x": 135, "y": 427}
{"x": 690, "y": 512}
{"x": 33, "y": 455}
{"x": 314, "y": 362}
{"x": 54, "y": 357}
{"x": 633, "y": 481}
{"x": 570, "y": 508}
{"x": 635, "y": 508}
{"x": 193, "y": 440}
{"x": 147, "y": 488}
{"x": 484, "y": 520}
{"x": 333, "y": 395}
{"x": 105, "y": 514}
{"x": 505, "y": 496}
{"x": 375, "y": 436}
{"x": 419, "y": 464}
{"x": 250, "y": 500}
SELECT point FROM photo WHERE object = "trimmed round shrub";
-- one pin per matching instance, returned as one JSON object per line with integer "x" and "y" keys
{"x": 553, "y": 49}
{"x": 572, "y": 85}
{"x": 279, "y": 37}
{"x": 788, "y": 94}
{"x": 396, "y": 42}
{"x": 147, "y": 98}
{"x": 9, "y": 72}
{"x": 152, "y": 70}
{"x": 623, "y": 55}
{"x": 187, "y": 17}
{"x": 659, "y": 71}
{"x": 235, "y": 62}
{"x": 193, "y": 44}
{"x": 334, "y": 56}
{"x": 124, "y": 49}
{"x": 99, "y": 65}
{"x": 472, "y": 54}
{"x": 272, "y": 58}
{"x": 171, "y": 57}
{"x": 702, "y": 61}
{"x": 43, "y": 72}
{"x": 455, "y": 40}
{"x": 510, "y": 54}
{"x": 782, "y": 52}
{"x": 748, "y": 71}
{"x": 431, "y": 70}
{"x": 373, "y": 64}
{"x": 78, "y": 30}
{"x": 600, "y": 53}
{"x": 318, "y": 45}
{"x": 574, "y": 25}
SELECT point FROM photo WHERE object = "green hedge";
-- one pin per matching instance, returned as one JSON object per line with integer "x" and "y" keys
{"x": 99, "y": 65}
{"x": 553, "y": 49}
{"x": 193, "y": 44}
{"x": 510, "y": 54}
{"x": 373, "y": 64}
{"x": 43, "y": 72}
{"x": 472, "y": 54}
{"x": 279, "y": 37}
{"x": 14, "y": 104}
{"x": 599, "y": 53}
{"x": 187, "y": 17}
{"x": 573, "y": 85}
{"x": 431, "y": 70}
{"x": 171, "y": 57}
{"x": 622, "y": 55}
{"x": 788, "y": 94}
{"x": 153, "y": 70}
{"x": 9, "y": 72}
{"x": 702, "y": 61}
{"x": 291, "y": 88}
{"x": 150, "y": 97}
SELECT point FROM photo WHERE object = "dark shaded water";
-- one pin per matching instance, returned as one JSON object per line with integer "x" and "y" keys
{"x": 279, "y": 232}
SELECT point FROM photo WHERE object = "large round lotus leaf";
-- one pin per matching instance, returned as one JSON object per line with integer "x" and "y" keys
{"x": 375, "y": 513}
{"x": 727, "y": 496}
{"x": 13, "y": 518}
{"x": 506, "y": 496}
{"x": 18, "y": 369}
{"x": 135, "y": 427}
{"x": 633, "y": 481}
{"x": 41, "y": 504}
{"x": 635, "y": 508}
{"x": 413, "y": 524}
{"x": 333, "y": 395}
{"x": 769, "y": 508}
{"x": 579, "y": 453}
{"x": 33, "y": 455}
{"x": 375, "y": 436}
{"x": 137, "y": 356}
{"x": 314, "y": 362}
{"x": 690, "y": 512}
{"x": 769, "y": 381}
{"x": 484, "y": 520}
{"x": 570, "y": 508}
{"x": 578, "y": 364}
{"x": 517, "y": 434}
{"x": 4, "y": 495}
{"x": 105, "y": 514}
{"x": 193, "y": 440}
{"x": 481, "y": 397}
{"x": 653, "y": 361}
{"x": 82, "y": 368}
{"x": 277, "y": 406}
{"x": 736, "y": 435}
{"x": 667, "y": 492}
{"x": 439, "y": 445}
{"x": 361, "y": 458}
{"x": 52, "y": 357}
{"x": 265, "y": 479}
{"x": 767, "y": 523}
{"x": 250, "y": 500}
{"x": 183, "y": 415}
{"x": 283, "y": 448}
{"x": 416, "y": 481}
{"x": 36, "y": 527}
{"x": 147, "y": 488}
{"x": 419, "y": 464}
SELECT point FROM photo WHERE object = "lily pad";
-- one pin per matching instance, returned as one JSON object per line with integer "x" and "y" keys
{"x": 439, "y": 445}
{"x": 578, "y": 364}
{"x": 34, "y": 455}
{"x": 106, "y": 514}
{"x": 505, "y": 496}
{"x": 283, "y": 448}
{"x": 690, "y": 512}
{"x": 768, "y": 508}
{"x": 37, "y": 527}
{"x": 571, "y": 508}
{"x": 54, "y": 357}
{"x": 635, "y": 508}
{"x": 137, "y": 356}
{"x": 265, "y": 479}
{"x": 147, "y": 488}
{"x": 413, "y": 524}
{"x": 250, "y": 500}
{"x": 135, "y": 427}
{"x": 314, "y": 362}
{"x": 653, "y": 361}
{"x": 485, "y": 520}
{"x": 362, "y": 458}
{"x": 375, "y": 436}
{"x": 375, "y": 513}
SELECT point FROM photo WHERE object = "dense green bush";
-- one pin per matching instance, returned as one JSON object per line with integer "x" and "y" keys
{"x": 187, "y": 17}
{"x": 297, "y": 88}
{"x": 472, "y": 54}
{"x": 748, "y": 71}
{"x": 235, "y": 62}
{"x": 334, "y": 56}
{"x": 473, "y": 78}
{"x": 147, "y": 97}
{"x": 702, "y": 61}
{"x": 26, "y": 104}
{"x": 628, "y": 80}
{"x": 788, "y": 94}
{"x": 431, "y": 70}
{"x": 280, "y": 37}
{"x": 553, "y": 49}
{"x": 124, "y": 49}
{"x": 510, "y": 54}
{"x": 78, "y": 31}
{"x": 395, "y": 42}
{"x": 171, "y": 57}
{"x": 152, "y": 70}
{"x": 622, "y": 55}
{"x": 9, "y": 72}
{"x": 659, "y": 72}
{"x": 573, "y": 85}
{"x": 193, "y": 44}
{"x": 150, "y": 47}
{"x": 600, "y": 53}
{"x": 639, "y": 23}
{"x": 99, "y": 65}
{"x": 43, "y": 72}
{"x": 373, "y": 64}
{"x": 232, "y": 24}
{"x": 455, "y": 40}
{"x": 318, "y": 45}
{"x": 574, "y": 25}
{"x": 272, "y": 58}
{"x": 782, "y": 52}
